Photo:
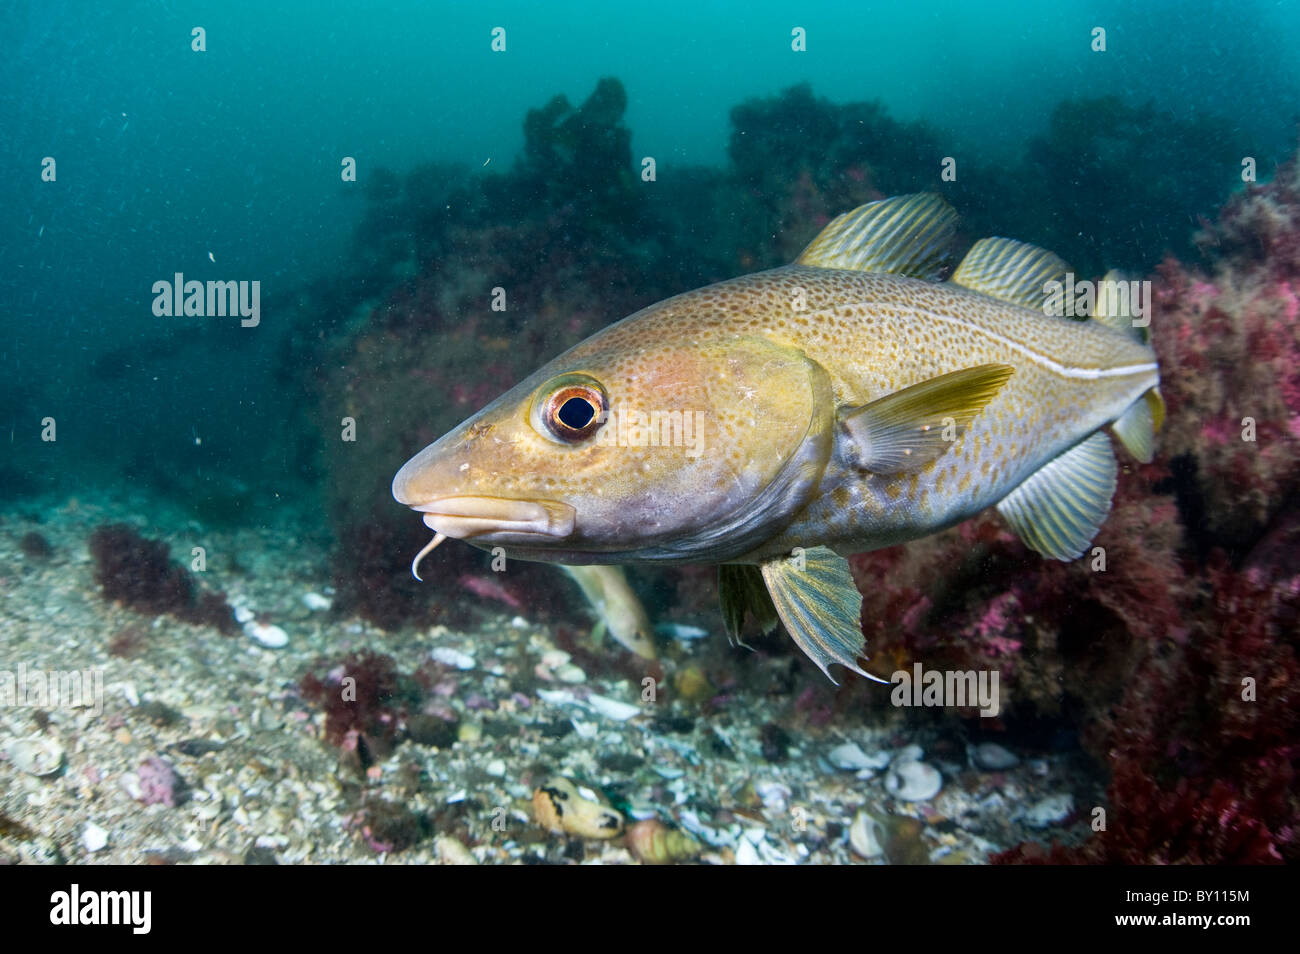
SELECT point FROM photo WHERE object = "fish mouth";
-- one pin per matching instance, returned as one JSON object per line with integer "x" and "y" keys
{"x": 463, "y": 518}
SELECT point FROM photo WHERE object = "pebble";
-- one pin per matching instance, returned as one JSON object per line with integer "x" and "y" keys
{"x": 452, "y": 657}
{"x": 316, "y": 602}
{"x": 992, "y": 757}
{"x": 243, "y": 615}
{"x": 94, "y": 837}
{"x": 452, "y": 852}
{"x": 268, "y": 634}
{"x": 571, "y": 674}
{"x": 1051, "y": 810}
{"x": 912, "y": 781}
{"x": 555, "y": 658}
{"x": 496, "y": 768}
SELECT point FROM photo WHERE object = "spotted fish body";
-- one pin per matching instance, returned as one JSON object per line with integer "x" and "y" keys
{"x": 836, "y": 405}
{"x": 877, "y": 334}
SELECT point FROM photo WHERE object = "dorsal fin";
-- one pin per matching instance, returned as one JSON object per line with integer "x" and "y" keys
{"x": 905, "y": 235}
{"x": 1114, "y": 307}
{"x": 1012, "y": 271}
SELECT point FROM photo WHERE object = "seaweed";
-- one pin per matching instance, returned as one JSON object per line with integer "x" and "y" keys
{"x": 139, "y": 574}
{"x": 365, "y": 699}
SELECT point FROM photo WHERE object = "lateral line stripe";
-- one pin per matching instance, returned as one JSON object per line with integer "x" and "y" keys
{"x": 1064, "y": 370}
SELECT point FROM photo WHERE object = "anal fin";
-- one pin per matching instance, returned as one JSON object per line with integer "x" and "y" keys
{"x": 1060, "y": 508}
{"x": 815, "y": 596}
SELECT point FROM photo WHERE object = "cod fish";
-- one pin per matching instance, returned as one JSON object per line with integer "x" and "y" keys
{"x": 775, "y": 423}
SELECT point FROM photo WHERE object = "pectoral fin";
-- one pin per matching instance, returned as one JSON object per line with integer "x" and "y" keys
{"x": 904, "y": 431}
{"x": 1060, "y": 508}
{"x": 618, "y": 609}
{"x": 815, "y": 596}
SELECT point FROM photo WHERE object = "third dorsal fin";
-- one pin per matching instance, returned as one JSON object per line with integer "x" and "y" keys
{"x": 1115, "y": 307}
{"x": 1011, "y": 271}
{"x": 906, "y": 235}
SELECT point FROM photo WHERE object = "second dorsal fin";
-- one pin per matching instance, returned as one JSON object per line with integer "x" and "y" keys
{"x": 1011, "y": 271}
{"x": 906, "y": 235}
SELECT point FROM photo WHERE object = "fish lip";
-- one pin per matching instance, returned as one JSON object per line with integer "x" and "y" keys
{"x": 463, "y": 517}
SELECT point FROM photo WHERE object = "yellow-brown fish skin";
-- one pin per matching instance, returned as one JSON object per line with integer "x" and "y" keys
{"x": 801, "y": 414}
{"x": 877, "y": 334}
{"x": 769, "y": 359}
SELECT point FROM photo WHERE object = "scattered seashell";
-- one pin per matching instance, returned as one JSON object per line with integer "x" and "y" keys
{"x": 912, "y": 781}
{"x": 909, "y": 753}
{"x": 38, "y": 755}
{"x": 94, "y": 837}
{"x": 269, "y": 635}
{"x": 496, "y": 768}
{"x": 557, "y": 697}
{"x": 849, "y": 758}
{"x": 1051, "y": 810}
{"x": 747, "y": 854}
{"x": 654, "y": 843}
{"x": 602, "y": 705}
{"x": 612, "y": 708}
{"x": 316, "y": 602}
{"x": 558, "y": 807}
{"x": 991, "y": 757}
{"x": 774, "y": 796}
{"x": 452, "y": 657}
{"x": 243, "y": 615}
{"x": 867, "y": 835}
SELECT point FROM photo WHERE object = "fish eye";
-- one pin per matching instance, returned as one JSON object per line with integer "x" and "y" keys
{"x": 573, "y": 408}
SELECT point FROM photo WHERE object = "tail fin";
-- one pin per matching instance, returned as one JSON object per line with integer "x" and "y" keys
{"x": 1136, "y": 427}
